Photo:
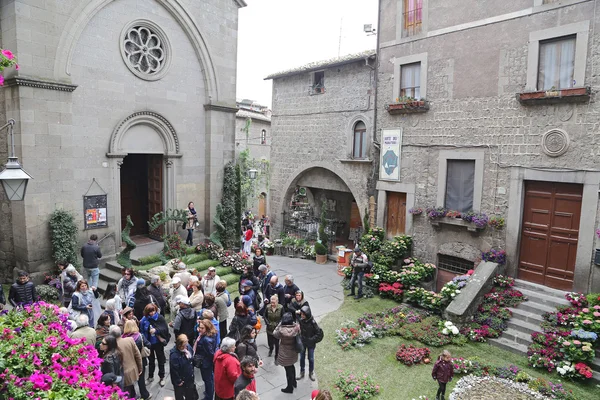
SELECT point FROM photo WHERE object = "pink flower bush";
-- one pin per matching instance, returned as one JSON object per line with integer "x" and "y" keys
{"x": 7, "y": 59}
{"x": 39, "y": 357}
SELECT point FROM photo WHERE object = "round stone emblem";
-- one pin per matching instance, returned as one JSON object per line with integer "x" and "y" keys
{"x": 555, "y": 142}
{"x": 145, "y": 49}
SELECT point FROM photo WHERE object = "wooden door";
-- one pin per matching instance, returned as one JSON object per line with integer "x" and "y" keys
{"x": 262, "y": 205}
{"x": 549, "y": 233}
{"x": 134, "y": 189}
{"x": 396, "y": 213}
{"x": 155, "y": 190}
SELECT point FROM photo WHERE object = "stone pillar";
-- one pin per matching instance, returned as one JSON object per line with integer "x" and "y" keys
{"x": 372, "y": 210}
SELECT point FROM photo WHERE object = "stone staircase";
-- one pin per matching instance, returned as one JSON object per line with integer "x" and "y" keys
{"x": 527, "y": 317}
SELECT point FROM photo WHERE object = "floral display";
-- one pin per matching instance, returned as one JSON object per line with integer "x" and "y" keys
{"x": 584, "y": 335}
{"x": 353, "y": 386}
{"x": 388, "y": 322}
{"x": 588, "y": 319}
{"x": 351, "y": 335}
{"x": 370, "y": 243}
{"x": 496, "y": 222}
{"x": 504, "y": 281}
{"x": 428, "y": 332}
{"x": 576, "y": 299}
{"x": 173, "y": 246}
{"x": 424, "y": 298}
{"x": 435, "y": 213}
{"x": 410, "y": 355}
{"x": 448, "y": 328}
{"x": 391, "y": 291}
{"x": 415, "y": 211}
{"x": 49, "y": 365}
{"x": 237, "y": 261}
{"x": 494, "y": 255}
{"x": 576, "y": 350}
{"x": 7, "y": 59}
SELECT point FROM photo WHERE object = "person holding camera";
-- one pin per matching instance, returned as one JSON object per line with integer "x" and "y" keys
{"x": 359, "y": 263}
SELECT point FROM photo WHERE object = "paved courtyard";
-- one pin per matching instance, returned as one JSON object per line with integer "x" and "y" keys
{"x": 324, "y": 294}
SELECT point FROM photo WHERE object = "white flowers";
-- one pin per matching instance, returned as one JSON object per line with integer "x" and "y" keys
{"x": 449, "y": 328}
{"x": 565, "y": 368}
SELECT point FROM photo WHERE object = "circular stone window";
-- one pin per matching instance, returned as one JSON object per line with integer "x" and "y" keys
{"x": 555, "y": 142}
{"x": 145, "y": 49}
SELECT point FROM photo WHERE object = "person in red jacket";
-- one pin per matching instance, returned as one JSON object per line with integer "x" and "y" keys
{"x": 248, "y": 234}
{"x": 246, "y": 379}
{"x": 443, "y": 371}
{"x": 227, "y": 370}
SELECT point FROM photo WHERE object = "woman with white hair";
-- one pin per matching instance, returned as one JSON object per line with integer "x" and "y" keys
{"x": 69, "y": 279}
{"x": 227, "y": 369}
{"x": 111, "y": 311}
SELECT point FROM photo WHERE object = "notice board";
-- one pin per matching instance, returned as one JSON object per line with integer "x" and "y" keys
{"x": 94, "y": 211}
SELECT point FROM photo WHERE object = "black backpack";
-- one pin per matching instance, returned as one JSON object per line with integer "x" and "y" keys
{"x": 319, "y": 332}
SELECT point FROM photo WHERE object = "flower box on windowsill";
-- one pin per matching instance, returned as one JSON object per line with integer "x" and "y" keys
{"x": 471, "y": 227}
{"x": 573, "y": 95}
{"x": 408, "y": 107}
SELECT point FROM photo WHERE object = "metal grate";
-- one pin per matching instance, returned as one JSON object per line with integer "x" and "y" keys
{"x": 454, "y": 264}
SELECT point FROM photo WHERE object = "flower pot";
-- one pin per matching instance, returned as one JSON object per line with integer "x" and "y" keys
{"x": 321, "y": 259}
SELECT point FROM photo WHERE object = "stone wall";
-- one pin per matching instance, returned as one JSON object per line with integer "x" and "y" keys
{"x": 473, "y": 77}
{"x": 315, "y": 131}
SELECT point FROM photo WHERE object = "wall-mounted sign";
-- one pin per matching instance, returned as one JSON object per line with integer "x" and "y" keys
{"x": 391, "y": 141}
{"x": 94, "y": 211}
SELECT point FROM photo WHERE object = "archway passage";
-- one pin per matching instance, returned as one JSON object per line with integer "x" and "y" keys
{"x": 142, "y": 192}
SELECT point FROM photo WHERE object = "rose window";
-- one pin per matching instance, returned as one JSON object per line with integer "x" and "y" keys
{"x": 145, "y": 49}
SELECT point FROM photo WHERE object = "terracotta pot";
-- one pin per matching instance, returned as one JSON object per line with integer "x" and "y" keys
{"x": 321, "y": 259}
{"x": 427, "y": 361}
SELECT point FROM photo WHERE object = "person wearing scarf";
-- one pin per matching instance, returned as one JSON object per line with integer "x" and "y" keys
{"x": 153, "y": 326}
{"x": 191, "y": 223}
{"x": 102, "y": 331}
{"x": 112, "y": 313}
{"x": 69, "y": 278}
{"x": 182, "y": 369}
{"x": 126, "y": 287}
{"x": 82, "y": 300}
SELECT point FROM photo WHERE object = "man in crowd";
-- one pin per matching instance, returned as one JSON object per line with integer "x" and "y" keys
{"x": 289, "y": 290}
{"x": 178, "y": 290}
{"x": 91, "y": 254}
{"x": 183, "y": 274}
{"x": 210, "y": 280}
{"x": 84, "y": 330}
{"x": 274, "y": 288}
{"x": 156, "y": 291}
{"x": 359, "y": 262}
{"x": 185, "y": 321}
{"x": 265, "y": 275}
{"x": 246, "y": 379}
{"x": 22, "y": 292}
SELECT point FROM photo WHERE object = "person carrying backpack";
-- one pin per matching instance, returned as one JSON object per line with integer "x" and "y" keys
{"x": 311, "y": 334}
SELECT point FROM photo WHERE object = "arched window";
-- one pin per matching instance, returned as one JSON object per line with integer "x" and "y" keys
{"x": 263, "y": 137}
{"x": 359, "y": 148}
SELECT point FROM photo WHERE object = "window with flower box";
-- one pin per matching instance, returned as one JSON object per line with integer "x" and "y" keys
{"x": 410, "y": 81}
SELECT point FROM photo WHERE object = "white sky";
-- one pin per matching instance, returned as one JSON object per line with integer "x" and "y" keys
{"x": 276, "y": 35}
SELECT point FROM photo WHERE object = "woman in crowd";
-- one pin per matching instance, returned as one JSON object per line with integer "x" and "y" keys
{"x": 221, "y": 301}
{"x": 204, "y": 354}
{"x": 286, "y": 332}
{"x": 297, "y": 303}
{"x": 192, "y": 217}
{"x": 258, "y": 260}
{"x": 246, "y": 346}
{"x": 142, "y": 299}
{"x": 241, "y": 318}
{"x": 82, "y": 300}
{"x": 127, "y": 315}
{"x": 113, "y": 359}
{"x": 273, "y": 315}
{"x": 111, "y": 293}
{"x": 182, "y": 369}
{"x": 111, "y": 312}
{"x": 131, "y": 330}
{"x": 101, "y": 330}
{"x": 227, "y": 369}
{"x": 156, "y": 331}
{"x": 209, "y": 304}
{"x": 196, "y": 297}
{"x": 69, "y": 279}
{"x": 126, "y": 287}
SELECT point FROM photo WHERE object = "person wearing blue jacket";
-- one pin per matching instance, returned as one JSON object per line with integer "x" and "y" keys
{"x": 182, "y": 369}
{"x": 205, "y": 348}
{"x": 155, "y": 329}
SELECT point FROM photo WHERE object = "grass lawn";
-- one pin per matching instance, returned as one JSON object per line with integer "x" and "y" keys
{"x": 397, "y": 381}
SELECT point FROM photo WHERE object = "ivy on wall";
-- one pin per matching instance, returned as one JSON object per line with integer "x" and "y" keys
{"x": 226, "y": 218}
{"x": 63, "y": 234}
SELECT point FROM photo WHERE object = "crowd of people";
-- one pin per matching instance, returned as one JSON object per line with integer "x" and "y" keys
{"x": 131, "y": 332}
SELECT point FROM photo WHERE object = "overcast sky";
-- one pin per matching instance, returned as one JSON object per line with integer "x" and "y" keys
{"x": 276, "y": 35}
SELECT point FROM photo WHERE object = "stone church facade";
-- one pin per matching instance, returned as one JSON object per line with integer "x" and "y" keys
{"x": 134, "y": 99}
{"x": 494, "y": 105}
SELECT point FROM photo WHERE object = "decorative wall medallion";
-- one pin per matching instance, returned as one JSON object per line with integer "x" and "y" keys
{"x": 555, "y": 142}
{"x": 145, "y": 49}
{"x": 564, "y": 113}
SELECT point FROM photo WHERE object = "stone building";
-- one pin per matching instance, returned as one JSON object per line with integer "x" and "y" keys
{"x": 321, "y": 146}
{"x": 132, "y": 99}
{"x": 253, "y": 133}
{"x": 489, "y": 105}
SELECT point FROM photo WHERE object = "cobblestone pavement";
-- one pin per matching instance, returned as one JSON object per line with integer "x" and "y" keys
{"x": 324, "y": 294}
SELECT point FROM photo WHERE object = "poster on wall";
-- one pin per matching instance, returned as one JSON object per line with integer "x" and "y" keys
{"x": 94, "y": 211}
{"x": 391, "y": 140}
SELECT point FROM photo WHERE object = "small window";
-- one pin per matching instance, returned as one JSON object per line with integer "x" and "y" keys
{"x": 460, "y": 185}
{"x": 263, "y": 137}
{"x": 318, "y": 84}
{"x": 359, "y": 148}
{"x": 410, "y": 80}
{"x": 413, "y": 17}
{"x": 557, "y": 63}
{"x": 454, "y": 264}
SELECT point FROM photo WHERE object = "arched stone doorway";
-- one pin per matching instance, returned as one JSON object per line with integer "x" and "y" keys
{"x": 143, "y": 153}
{"x": 313, "y": 189}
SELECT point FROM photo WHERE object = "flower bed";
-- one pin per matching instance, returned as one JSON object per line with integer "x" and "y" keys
{"x": 411, "y": 355}
{"x": 359, "y": 387}
{"x": 351, "y": 335}
{"x": 40, "y": 360}
{"x": 388, "y": 322}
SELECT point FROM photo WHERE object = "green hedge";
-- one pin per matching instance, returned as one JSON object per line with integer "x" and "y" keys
{"x": 203, "y": 265}
{"x": 149, "y": 259}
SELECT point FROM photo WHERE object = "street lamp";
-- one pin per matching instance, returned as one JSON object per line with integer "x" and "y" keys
{"x": 14, "y": 179}
{"x": 252, "y": 173}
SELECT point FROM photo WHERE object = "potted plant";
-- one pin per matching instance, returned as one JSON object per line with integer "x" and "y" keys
{"x": 288, "y": 246}
{"x": 269, "y": 248}
{"x": 321, "y": 253}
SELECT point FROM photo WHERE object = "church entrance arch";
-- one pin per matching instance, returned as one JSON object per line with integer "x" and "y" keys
{"x": 143, "y": 148}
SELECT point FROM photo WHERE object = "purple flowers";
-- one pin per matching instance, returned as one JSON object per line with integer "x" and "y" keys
{"x": 494, "y": 255}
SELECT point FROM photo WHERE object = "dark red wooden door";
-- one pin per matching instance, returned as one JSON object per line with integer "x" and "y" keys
{"x": 550, "y": 232}
{"x": 155, "y": 190}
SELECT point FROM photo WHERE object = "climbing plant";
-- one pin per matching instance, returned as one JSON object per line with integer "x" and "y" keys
{"x": 229, "y": 234}
{"x": 238, "y": 198}
{"x": 63, "y": 234}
